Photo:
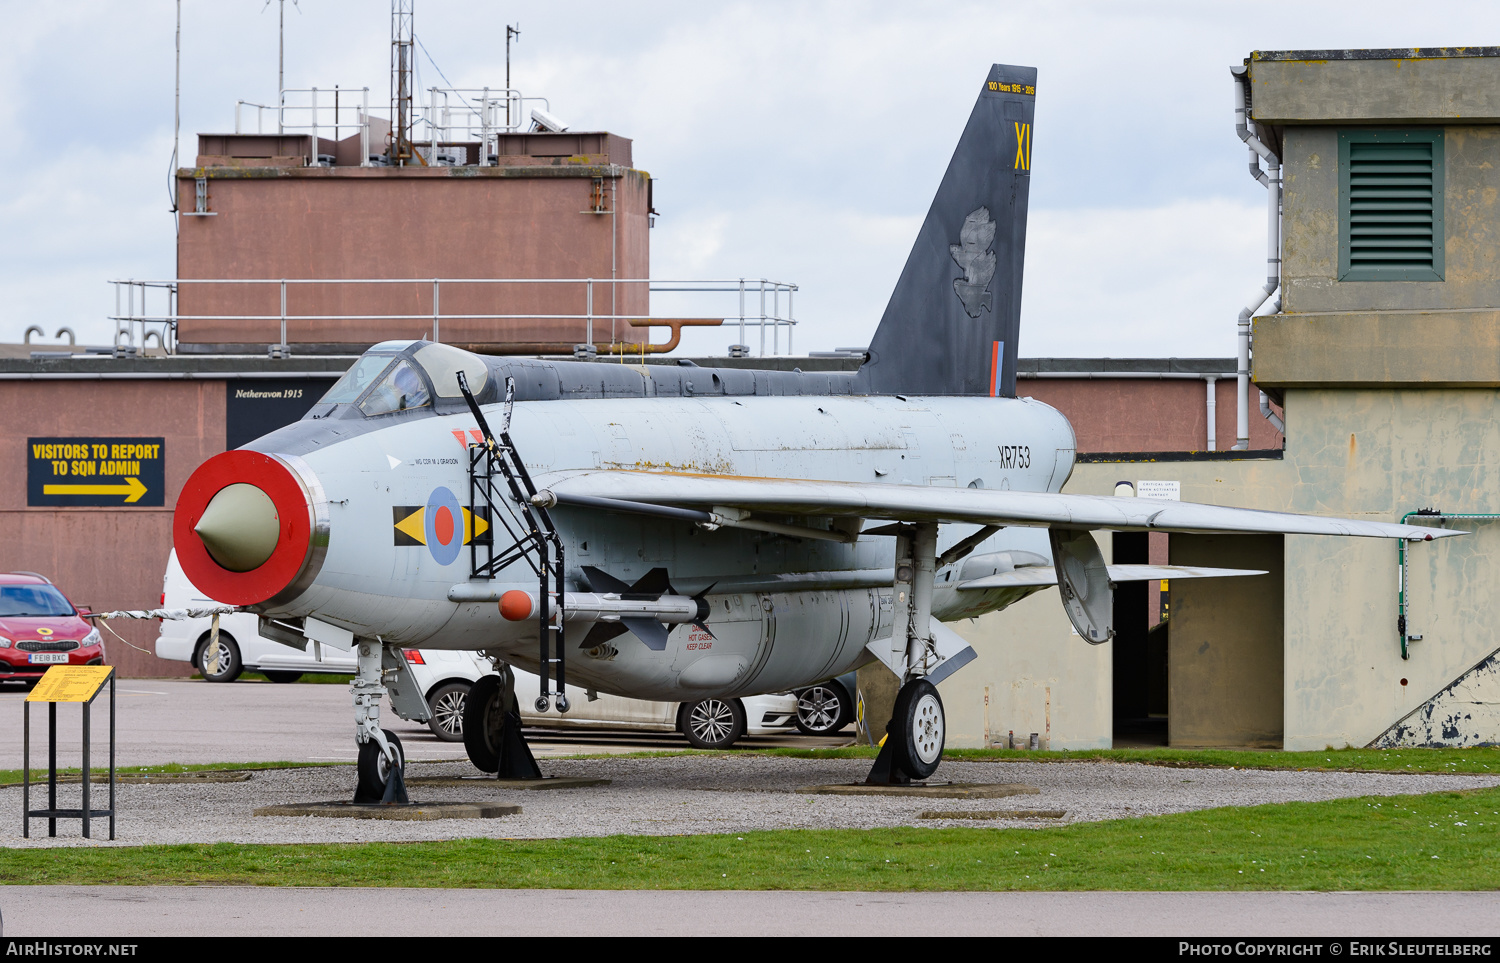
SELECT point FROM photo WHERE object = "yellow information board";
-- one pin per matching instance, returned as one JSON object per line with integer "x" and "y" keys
{"x": 70, "y": 683}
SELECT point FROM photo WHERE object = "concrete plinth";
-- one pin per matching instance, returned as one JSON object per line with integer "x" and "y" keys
{"x": 416, "y": 812}
{"x": 490, "y": 782}
{"x": 929, "y": 790}
{"x": 146, "y": 778}
{"x": 992, "y": 814}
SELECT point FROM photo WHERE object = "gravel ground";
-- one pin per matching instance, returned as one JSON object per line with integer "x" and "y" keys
{"x": 691, "y": 794}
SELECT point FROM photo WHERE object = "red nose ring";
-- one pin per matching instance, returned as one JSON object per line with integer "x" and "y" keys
{"x": 243, "y": 574}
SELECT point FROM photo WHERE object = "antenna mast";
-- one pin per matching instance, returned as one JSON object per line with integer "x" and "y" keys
{"x": 280, "y": 55}
{"x": 401, "y": 80}
{"x": 510, "y": 31}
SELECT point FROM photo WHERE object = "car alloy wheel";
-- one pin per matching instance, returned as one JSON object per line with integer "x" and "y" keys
{"x": 447, "y": 708}
{"x": 820, "y": 709}
{"x": 714, "y": 723}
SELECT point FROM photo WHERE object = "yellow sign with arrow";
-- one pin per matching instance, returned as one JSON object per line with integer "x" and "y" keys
{"x": 100, "y": 472}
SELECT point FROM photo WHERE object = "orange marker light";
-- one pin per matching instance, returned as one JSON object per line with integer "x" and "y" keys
{"x": 515, "y": 605}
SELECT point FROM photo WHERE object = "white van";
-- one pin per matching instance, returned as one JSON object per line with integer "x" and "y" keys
{"x": 445, "y": 676}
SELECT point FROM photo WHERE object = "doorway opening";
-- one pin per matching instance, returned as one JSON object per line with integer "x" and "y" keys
{"x": 1141, "y": 614}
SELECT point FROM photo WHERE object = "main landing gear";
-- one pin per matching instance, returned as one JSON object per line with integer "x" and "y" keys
{"x": 492, "y": 728}
{"x": 913, "y": 739}
{"x": 913, "y": 744}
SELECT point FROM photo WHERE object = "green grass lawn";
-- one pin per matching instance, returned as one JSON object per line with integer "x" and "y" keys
{"x": 1479, "y": 760}
{"x": 1438, "y": 841}
{"x": 10, "y": 777}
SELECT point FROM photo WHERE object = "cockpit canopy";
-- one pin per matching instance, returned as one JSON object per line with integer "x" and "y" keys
{"x": 398, "y": 376}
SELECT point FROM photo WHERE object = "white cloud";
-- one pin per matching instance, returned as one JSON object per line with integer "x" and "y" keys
{"x": 1108, "y": 282}
{"x": 792, "y": 140}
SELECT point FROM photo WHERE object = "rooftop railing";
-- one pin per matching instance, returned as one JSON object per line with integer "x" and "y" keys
{"x": 451, "y": 113}
{"x": 149, "y": 309}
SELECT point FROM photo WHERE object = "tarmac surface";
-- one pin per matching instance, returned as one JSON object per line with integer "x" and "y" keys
{"x": 161, "y": 721}
{"x": 123, "y": 911}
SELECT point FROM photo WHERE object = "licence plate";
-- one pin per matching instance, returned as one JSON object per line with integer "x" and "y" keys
{"x": 48, "y": 658}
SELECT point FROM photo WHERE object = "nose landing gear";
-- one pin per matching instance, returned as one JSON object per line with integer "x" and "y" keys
{"x": 379, "y": 780}
{"x": 381, "y": 759}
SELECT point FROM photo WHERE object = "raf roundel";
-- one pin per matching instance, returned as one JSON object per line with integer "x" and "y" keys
{"x": 443, "y": 524}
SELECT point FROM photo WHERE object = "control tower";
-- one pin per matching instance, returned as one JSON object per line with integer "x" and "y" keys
{"x": 487, "y": 222}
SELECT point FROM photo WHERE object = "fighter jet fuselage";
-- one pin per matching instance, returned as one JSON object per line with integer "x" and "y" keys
{"x": 400, "y": 533}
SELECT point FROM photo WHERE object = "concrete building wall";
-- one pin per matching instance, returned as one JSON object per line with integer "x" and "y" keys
{"x": 1311, "y": 229}
{"x": 1382, "y": 454}
{"x": 1225, "y": 657}
{"x": 1033, "y": 673}
{"x": 1376, "y": 86}
{"x": 1344, "y": 681}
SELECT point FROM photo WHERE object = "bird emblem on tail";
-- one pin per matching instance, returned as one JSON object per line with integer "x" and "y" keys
{"x": 974, "y": 256}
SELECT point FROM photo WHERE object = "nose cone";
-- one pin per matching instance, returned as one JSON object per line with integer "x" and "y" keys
{"x": 251, "y": 528}
{"x": 240, "y": 527}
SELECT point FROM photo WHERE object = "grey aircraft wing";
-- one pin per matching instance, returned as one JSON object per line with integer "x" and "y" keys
{"x": 1045, "y": 575}
{"x": 698, "y": 494}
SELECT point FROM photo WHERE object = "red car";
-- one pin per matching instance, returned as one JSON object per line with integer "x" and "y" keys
{"x": 40, "y": 628}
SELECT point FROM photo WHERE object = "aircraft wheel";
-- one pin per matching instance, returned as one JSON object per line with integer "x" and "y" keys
{"x": 375, "y": 769}
{"x": 484, "y": 723}
{"x": 919, "y": 729}
{"x": 822, "y": 709}
{"x": 228, "y": 667}
{"x": 713, "y": 723}
{"x": 447, "y": 705}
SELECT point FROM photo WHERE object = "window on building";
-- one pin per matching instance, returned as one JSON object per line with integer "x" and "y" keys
{"x": 1391, "y": 205}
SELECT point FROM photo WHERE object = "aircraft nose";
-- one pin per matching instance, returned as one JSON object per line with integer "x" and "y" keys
{"x": 250, "y": 527}
{"x": 240, "y": 527}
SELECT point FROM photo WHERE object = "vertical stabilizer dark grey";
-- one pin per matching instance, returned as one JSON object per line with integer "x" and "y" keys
{"x": 952, "y": 324}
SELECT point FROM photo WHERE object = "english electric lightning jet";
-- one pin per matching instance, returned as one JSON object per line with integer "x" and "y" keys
{"x": 687, "y": 532}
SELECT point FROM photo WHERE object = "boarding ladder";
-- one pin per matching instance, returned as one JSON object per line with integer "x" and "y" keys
{"x": 495, "y": 470}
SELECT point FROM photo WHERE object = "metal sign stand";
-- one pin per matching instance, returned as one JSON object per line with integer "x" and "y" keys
{"x": 68, "y": 686}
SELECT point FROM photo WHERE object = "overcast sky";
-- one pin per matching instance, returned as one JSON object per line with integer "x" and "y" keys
{"x": 798, "y": 141}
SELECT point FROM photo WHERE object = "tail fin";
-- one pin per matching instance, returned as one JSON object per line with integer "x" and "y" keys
{"x": 952, "y": 324}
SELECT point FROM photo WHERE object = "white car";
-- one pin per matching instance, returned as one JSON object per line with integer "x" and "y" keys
{"x": 445, "y": 677}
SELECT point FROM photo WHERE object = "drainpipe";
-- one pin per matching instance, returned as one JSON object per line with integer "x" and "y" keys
{"x": 1270, "y": 178}
{"x": 1213, "y": 414}
{"x": 1271, "y": 416}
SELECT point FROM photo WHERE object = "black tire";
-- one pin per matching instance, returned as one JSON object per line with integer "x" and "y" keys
{"x": 822, "y": 709}
{"x": 230, "y": 665}
{"x": 447, "y": 703}
{"x": 373, "y": 768}
{"x": 484, "y": 723}
{"x": 919, "y": 728}
{"x": 281, "y": 677}
{"x": 713, "y": 723}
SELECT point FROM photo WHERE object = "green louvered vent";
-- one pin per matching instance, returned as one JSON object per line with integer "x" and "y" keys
{"x": 1393, "y": 209}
